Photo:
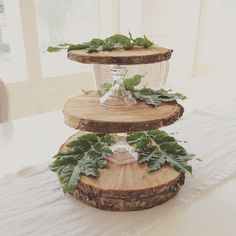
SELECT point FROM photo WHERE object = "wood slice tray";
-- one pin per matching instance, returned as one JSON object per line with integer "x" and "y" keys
{"x": 136, "y": 55}
{"x": 127, "y": 187}
{"x": 85, "y": 112}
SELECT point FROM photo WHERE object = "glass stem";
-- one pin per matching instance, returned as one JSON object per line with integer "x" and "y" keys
{"x": 117, "y": 96}
{"x": 123, "y": 153}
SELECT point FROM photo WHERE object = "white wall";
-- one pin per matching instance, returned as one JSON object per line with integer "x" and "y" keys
{"x": 216, "y": 45}
{"x": 169, "y": 23}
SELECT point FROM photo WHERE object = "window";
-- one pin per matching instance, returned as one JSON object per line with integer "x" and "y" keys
{"x": 60, "y": 21}
{"x": 12, "y": 60}
{"x": 216, "y": 47}
{"x": 4, "y": 44}
{"x": 27, "y": 28}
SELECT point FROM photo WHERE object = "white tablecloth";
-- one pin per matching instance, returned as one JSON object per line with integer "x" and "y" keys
{"x": 32, "y": 203}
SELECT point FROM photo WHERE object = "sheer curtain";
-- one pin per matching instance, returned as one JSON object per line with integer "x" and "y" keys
{"x": 64, "y": 21}
{"x": 216, "y": 45}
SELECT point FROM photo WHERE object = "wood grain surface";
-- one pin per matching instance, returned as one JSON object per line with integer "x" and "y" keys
{"x": 85, "y": 112}
{"x": 136, "y": 55}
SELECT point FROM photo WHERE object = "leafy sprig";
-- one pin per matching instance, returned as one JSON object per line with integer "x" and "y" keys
{"x": 156, "y": 97}
{"x": 156, "y": 148}
{"x": 85, "y": 156}
{"x": 147, "y": 95}
{"x": 108, "y": 44}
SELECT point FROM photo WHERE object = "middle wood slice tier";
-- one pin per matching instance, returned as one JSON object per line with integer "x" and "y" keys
{"x": 85, "y": 112}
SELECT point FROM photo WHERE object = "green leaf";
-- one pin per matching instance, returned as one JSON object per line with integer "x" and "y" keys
{"x": 90, "y": 137}
{"x": 132, "y": 82}
{"x": 118, "y": 39}
{"x": 92, "y": 49}
{"x": 65, "y": 45}
{"x": 62, "y": 161}
{"x": 147, "y": 43}
{"x": 140, "y": 139}
{"x": 107, "y": 46}
{"x": 143, "y": 142}
{"x": 97, "y": 42}
{"x": 128, "y": 45}
{"x": 129, "y": 84}
{"x": 108, "y": 139}
{"x": 161, "y": 149}
{"x": 102, "y": 164}
{"x": 173, "y": 148}
{"x": 133, "y": 137}
{"x": 160, "y": 136}
{"x": 85, "y": 156}
{"x": 74, "y": 179}
{"x": 88, "y": 167}
{"x": 178, "y": 163}
{"x": 106, "y": 86}
{"x": 144, "y": 42}
{"x": 156, "y": 164}
{"x": 148, "y": 99}
{"x": 156, "y": 97}
{"x": 81, "y": 145}
{"x": 60, "y": 154}
{"x": 148, "y": 154}
{"x": 54, "y": 49}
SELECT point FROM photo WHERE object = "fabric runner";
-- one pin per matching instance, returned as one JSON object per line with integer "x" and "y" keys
{"x": 32, "y": 202}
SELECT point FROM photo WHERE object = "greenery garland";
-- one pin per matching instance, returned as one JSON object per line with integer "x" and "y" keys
{"x": 108, "y": 44}
{"x": 89, "y": 152}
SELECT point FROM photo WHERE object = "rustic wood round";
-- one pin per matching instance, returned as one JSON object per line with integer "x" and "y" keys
{"x": 136, "y": 55}
{"x": 127, "y": 187}
{"x": 85, "y": 112}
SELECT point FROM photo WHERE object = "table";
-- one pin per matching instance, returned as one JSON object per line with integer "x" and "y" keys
{"x": 20, "y": 143}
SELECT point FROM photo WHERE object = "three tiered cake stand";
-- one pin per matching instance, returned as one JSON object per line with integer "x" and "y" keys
{"x": 125, "y": 185}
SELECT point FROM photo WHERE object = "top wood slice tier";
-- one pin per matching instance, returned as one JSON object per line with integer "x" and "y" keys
{"x": 136, "y": 55}
{"x": 85, "y": 112}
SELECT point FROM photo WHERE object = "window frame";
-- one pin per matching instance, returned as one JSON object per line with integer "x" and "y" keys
{"x": 38, "y": 94}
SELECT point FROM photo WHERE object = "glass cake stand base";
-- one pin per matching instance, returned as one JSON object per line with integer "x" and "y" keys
{"x": 122, "y": 152}
{"x": 117, "y": 96}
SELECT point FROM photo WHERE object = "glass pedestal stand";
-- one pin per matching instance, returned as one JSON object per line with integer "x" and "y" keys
{"x": 117, "y": 97}
{"x": 122, "y": 152}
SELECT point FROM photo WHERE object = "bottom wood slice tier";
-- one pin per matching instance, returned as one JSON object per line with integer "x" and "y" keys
{"x": 128, "y": 187}
{"x": 122, "y": 198}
